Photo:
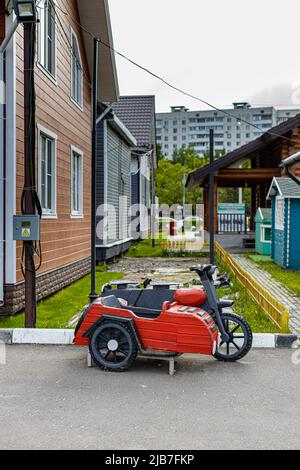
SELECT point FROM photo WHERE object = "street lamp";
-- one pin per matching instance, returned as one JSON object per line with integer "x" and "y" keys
{"x": 25, "y": 11}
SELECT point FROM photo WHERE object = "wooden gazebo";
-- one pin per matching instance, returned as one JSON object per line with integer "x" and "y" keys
{"x": 265, "y": 154}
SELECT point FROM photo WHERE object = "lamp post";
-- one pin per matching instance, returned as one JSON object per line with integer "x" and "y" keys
{"x": 211, "y": 198}
{"x": 93, "y": 294}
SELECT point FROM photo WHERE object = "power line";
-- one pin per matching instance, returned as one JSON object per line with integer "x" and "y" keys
{"x": 179, "y": 90}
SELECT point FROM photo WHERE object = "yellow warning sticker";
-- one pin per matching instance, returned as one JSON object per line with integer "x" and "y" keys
{"x": 26, "y": 232}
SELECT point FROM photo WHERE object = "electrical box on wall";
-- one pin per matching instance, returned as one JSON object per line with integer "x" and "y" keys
{"x": 26, "y": 228}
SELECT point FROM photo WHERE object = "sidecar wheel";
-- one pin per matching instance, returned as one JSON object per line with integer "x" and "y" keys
{"x": 240, "y": 341}
{"x": 113, "y": 347}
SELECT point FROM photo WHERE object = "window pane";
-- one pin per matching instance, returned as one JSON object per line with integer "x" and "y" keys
{"x": 43, "y": 172}
{"x": 76, "y": 183}
{"x": 76, "y": 73}
{"x": 47, "y": 173}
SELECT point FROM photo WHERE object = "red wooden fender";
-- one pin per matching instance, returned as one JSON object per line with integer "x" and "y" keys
{"x": 178, "y": 329}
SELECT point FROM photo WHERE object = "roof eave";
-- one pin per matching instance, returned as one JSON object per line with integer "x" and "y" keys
{"x": 95, "y": 18}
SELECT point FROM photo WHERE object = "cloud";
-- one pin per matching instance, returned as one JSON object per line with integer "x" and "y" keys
{"x": 284, "y": 94}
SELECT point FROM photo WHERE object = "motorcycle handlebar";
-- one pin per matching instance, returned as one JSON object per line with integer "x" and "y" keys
{"x": 202, "y": 269}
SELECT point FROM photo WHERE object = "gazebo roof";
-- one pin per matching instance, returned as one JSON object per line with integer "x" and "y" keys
{"x": 197, "y": 177}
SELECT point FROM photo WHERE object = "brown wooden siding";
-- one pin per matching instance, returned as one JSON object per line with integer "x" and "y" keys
{"x": 64, "y": 240}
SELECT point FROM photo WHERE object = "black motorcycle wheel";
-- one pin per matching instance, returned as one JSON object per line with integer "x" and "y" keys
{"x": 240, "y": 341}
{"x": 113, "y": 347}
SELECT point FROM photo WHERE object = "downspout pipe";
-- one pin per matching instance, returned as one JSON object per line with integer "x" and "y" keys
{"x": 290, "y": 175}
{"x": 3, "y": 47}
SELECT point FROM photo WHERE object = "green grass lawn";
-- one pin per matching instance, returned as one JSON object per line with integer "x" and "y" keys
{"x": 144, "y": 248}
{"x": 57, "y": 310}
{"x": 244, "y": 305}
{"x": 290, "y": 279}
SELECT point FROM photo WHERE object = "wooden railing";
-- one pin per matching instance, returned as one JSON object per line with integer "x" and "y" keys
{"x": 273, "y": 308}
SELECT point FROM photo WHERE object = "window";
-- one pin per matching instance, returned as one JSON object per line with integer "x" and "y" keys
{"x": 279, "y": 216}
{"x": 77, "y": 73}
{"x": 265, "y": 233}
{"x": 47, "y": 172}
{"x": 48, "y": 37}
{"x": 76, "y": 183}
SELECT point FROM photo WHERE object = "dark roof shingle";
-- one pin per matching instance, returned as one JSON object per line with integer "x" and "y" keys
{"x": 138, "y": 115}
{"x": 285, "y": 187}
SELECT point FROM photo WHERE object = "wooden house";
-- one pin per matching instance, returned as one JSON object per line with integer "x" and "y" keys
{"x": 114, "y": 146}
{"x": 138, "y": 115}
{"x": 63, "y": 70}
{"x": 284, "y": 194}
{"x": 263, "y": 231}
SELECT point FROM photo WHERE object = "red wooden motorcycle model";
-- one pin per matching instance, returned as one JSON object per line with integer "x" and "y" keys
{"x": 128, "y": 321}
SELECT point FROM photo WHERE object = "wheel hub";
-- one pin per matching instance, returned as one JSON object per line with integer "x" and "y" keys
{"x": 113, "y": 345}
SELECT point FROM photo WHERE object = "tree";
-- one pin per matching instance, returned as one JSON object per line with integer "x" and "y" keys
{"x": 170, "y": 177}
{"x": 159, "y": 154}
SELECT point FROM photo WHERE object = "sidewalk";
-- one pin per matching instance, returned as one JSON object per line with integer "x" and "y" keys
{"x": 285, "y": 296}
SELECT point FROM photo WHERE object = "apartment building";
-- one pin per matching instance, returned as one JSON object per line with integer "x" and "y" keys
{"x": 181, "y": 128}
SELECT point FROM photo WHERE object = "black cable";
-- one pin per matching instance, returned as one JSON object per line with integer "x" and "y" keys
{"x": 189, "y": 95}
{"x": 30, "y": 191}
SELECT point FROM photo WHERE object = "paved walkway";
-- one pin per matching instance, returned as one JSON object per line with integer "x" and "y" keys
{"x": 284, "y": 295}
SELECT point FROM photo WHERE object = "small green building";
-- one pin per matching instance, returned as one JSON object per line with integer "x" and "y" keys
{"x": 263, "y": 231}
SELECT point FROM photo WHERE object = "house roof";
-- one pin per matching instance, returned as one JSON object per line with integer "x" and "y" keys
{"x": 197, "y": 176}
{"x": 284, "y": 187}
{"x": 264, "y": 214}
{"x": 138, "y": 115}
{"x": 95, "y": 18}
{"x": 118, "y": 125}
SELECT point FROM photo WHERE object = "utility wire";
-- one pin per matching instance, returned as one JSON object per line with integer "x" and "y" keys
{"x": 179, "y": 90}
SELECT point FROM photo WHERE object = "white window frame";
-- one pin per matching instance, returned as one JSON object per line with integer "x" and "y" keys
{"x": 41, "y": 56}
{"x": 279, "y": 225}
{"x": 77, "y": 214}
{"x": 42, "y": 131}
{"x": 263, "y": 232}
{"x": 78, "y": 104}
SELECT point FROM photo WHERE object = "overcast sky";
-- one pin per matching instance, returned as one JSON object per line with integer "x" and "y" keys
{"x": 222, "y": 51}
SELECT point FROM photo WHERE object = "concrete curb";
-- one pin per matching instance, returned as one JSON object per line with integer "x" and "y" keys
{"x": 65, "y": 337}
{"x": 36, "y": 336}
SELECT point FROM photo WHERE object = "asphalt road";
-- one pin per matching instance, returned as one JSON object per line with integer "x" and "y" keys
{"x": 49, "y": 399}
